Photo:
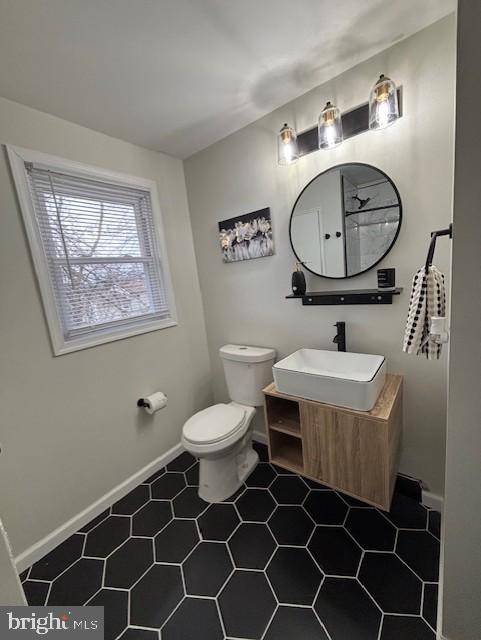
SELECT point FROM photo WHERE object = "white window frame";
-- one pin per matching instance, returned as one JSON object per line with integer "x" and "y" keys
{"x": 18, "y": 156}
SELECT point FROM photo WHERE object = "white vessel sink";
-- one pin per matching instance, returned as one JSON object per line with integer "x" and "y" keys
{"x": 352, "y": 380}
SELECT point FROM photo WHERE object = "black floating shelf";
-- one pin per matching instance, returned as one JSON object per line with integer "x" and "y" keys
{"x": 356, "y": 296}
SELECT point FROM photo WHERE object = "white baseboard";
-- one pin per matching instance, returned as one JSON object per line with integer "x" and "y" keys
{"x": 433, "y": 500}
{"x": 259, "y": 436}
{"x": 44, "y": 546}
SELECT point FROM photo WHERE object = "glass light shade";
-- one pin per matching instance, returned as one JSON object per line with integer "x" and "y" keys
{"x": 383, "y": 104}
{"x": 287, "y": 149}
{"x": 330, "y": 127}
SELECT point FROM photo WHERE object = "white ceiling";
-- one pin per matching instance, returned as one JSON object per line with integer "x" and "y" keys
{"x": 178, "y": 75}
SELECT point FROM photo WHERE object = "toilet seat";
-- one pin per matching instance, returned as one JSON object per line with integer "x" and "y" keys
{"x": 214, "y": 424}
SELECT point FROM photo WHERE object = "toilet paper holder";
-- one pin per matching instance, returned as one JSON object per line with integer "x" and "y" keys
{"x": 153, "y": 403}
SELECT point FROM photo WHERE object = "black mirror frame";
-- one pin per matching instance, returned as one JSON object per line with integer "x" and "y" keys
{"x": 338, "y": 166}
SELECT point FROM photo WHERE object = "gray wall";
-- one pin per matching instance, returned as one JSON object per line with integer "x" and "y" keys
{"x": 245, "y": 301}
{"x": 11, "y": 592}
{"x": 70, "y": 428}
{"x": 462, "y": 519}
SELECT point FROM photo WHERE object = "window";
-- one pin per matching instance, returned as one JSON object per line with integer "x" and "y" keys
{"x": 97, "y": 243}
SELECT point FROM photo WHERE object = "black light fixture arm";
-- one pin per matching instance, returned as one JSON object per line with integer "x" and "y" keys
{"x": 432, "y": 245}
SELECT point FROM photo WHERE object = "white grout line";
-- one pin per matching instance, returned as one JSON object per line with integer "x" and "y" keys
{"x": 269, "y": 622}
{"x": 381, "y": 623}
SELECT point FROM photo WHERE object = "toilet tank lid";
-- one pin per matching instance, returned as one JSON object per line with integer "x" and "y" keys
{"x": 242, "y": 353}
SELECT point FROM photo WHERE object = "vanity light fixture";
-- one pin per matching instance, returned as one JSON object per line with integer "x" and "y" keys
{"x": 383, "y": 104}
{"x": 287, "y": 149}
{"x": 330, "y": 127}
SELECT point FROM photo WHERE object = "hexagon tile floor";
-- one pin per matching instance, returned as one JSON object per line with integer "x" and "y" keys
{"x": 283, "y": 559}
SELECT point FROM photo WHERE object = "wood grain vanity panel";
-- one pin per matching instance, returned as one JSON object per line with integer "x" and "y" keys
{"x": 353, "y": 451}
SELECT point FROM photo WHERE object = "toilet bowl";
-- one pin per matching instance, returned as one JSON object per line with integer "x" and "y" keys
{"x": 221, "y": 435}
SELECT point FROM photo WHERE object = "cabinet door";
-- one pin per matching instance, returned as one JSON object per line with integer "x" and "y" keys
{"x": 345, "y": 450}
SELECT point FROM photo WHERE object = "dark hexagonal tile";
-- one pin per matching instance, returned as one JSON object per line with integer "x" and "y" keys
{"x": 354, "y": 502}
{"x": 236, "y": 494}
{"x": 255, "y": 505}
{"x": 107, "y": 536}
{"x": 289, "y": 490}
{"x": 335, "y": 551}
{"x": 154, "y": 476}
{"x": 291, "y": 525}
{"x": 195, "y": 618}
{"x": 182, "y": 462}
{"x": 128, "y": 563}
{"x": 262, "y": 476}
{"x": 168, "y": 486}
{"x": 294, "y": 576}
{"x": 404, "y": 627}
{"x": 262, "y": 451}
{"x": 315, "y": 484}
{"x": 206, "y": 569}
{"x": 218, "y": 522}
{"x": 347, "y": 611}
{"x": 188, "y": 504}
{"x": 155, "y": 596}
{"x": 295, "y": 622}
{"x": 246, "y": 604}
{"x": 175, "y": 542}
{"x": 252, "y": 545}
{"x": 24, "y": 575}
{"x": 35, "y": 592}
{"x": 132, "y": 501}
{"x": 430, "y": 604}
{"x": 139, "y": 634}
{"x": 52, "y": 565}
{"x": 192, "y": 475}
{"x": 151, "y": 518}
{"x": 115, "y": 605}
{"x": 434, "y": 523}
{"x": 394, "y": 587}
{"x": 409, "y": 486}
{"x": 371, "y": 530}
{"x": 93, "y": 523}
{"x": 77, "y": 584}
{"x": 282, "y": 471}
{"x": 406, "y": 513}
{"x": 420, "y": 550}
{"x": 326, "y": 507}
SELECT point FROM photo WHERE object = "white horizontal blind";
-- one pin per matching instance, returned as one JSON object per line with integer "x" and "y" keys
{"x": 102, "y": 252}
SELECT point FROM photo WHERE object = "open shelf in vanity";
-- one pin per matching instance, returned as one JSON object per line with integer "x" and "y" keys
{"x": 356, "y": 452}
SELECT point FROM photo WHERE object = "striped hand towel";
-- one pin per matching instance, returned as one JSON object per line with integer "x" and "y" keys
{"x": 428, "y": 299}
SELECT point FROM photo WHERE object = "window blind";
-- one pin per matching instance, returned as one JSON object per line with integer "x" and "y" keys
{"x": 103, "y": 256}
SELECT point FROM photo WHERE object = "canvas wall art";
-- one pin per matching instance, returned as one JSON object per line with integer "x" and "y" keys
{"x": 246, "y": 236}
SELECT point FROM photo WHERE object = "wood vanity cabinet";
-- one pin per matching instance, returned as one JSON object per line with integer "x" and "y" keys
{"x": 356, "y": 452}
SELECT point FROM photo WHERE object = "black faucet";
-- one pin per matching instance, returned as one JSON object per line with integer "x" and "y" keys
{"x": 340, "y": 337}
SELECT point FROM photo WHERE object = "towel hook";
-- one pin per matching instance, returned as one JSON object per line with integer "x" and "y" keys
{"x": 432, "y": 244}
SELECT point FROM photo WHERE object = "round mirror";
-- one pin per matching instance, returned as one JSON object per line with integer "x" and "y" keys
{"x": 345, "y": 220}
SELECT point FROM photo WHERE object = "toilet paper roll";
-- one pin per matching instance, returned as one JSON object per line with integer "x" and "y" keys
{"x": 154, "y": 402}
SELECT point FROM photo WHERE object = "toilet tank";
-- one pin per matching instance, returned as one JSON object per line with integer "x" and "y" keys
{"x": 247, "y": 371}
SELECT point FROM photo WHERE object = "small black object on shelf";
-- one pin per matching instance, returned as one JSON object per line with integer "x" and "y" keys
{"x": 386, "y": 278}
{"x": 432, "y": 245}
{"x": 298, "y": 281}
{"x": 356, "y": 296}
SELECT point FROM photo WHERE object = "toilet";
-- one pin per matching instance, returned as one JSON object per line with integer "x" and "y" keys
{"x": 221, "y": 435}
